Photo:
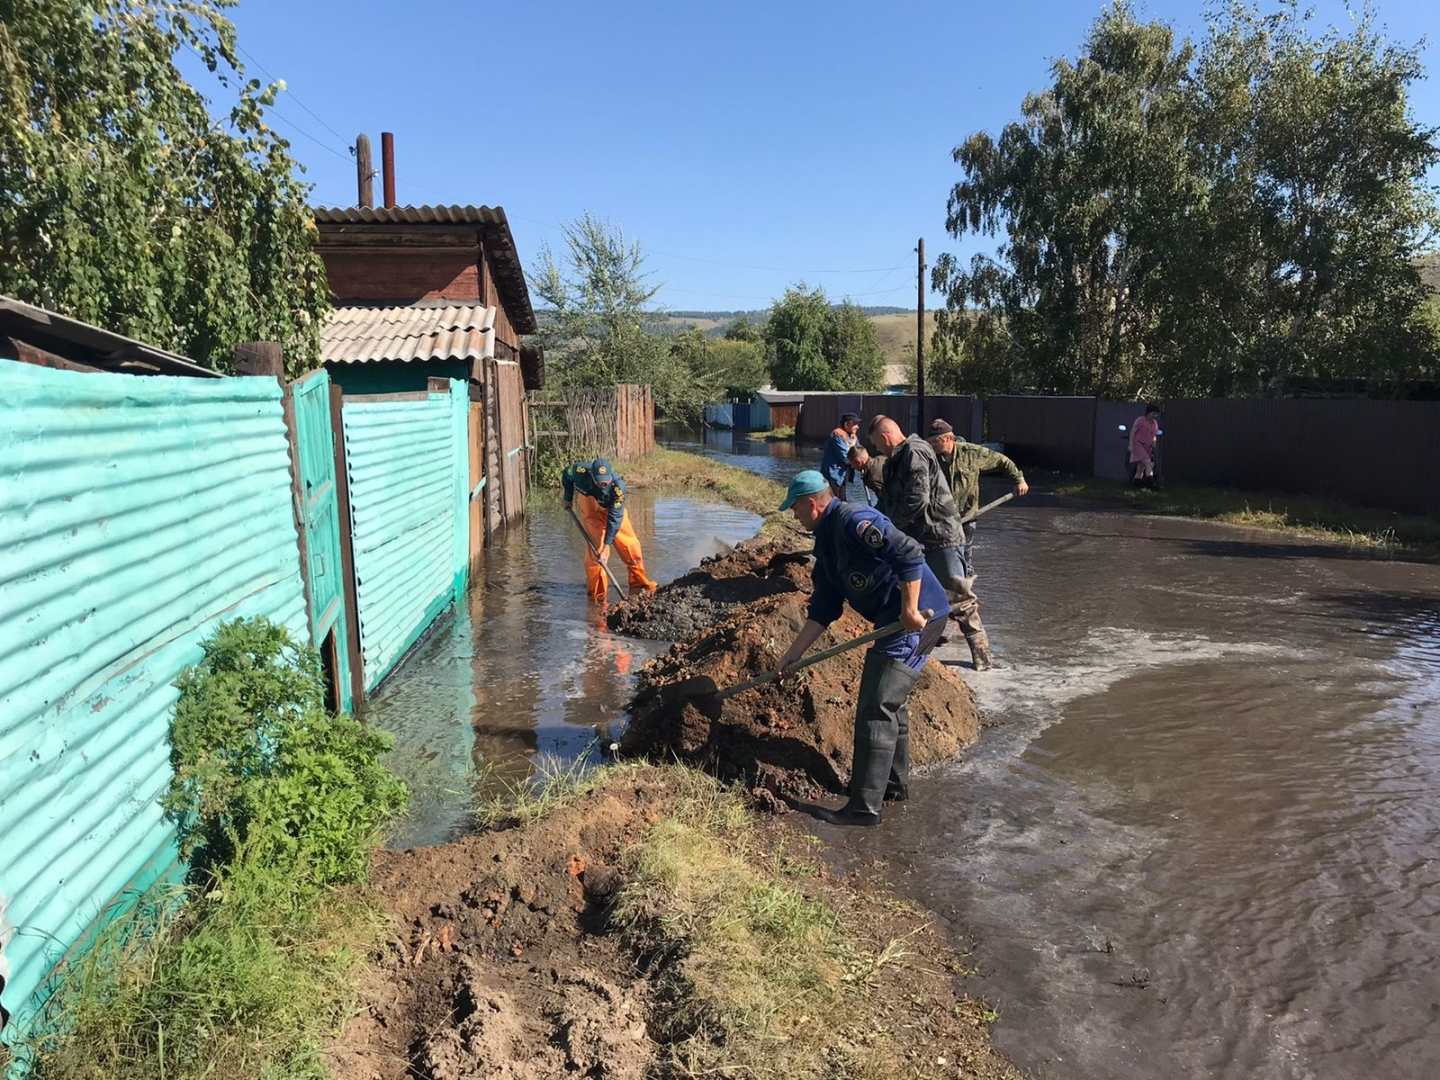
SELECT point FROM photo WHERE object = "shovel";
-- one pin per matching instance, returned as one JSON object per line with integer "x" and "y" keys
{"x": 591, "y": 545}
{"x": 777, "y": 561}
{"x": 986, "y": 508}
{"x": 701, "y": 691}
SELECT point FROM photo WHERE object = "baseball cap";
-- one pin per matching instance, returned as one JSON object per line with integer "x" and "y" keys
{"x": 603, "y": 471}
{"x": 808, "y": 482}
{"x": 940, "y": 427}
{"x": 850, "y": 418}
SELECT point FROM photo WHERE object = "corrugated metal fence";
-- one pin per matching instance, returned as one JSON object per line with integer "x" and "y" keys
{"x": 408, "y": 464}
{"x": 135, "y": 514}
{"x": 1047, "y": 433}
{"x": 1378, "y": 453}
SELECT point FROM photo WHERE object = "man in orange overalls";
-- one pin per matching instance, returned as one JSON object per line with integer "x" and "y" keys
{"x": 602, "y": 510}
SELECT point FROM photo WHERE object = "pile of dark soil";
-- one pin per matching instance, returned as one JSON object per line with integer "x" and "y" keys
{"x": 795, "y": 737}
{"x": 502, "y": 962}
{"x": 498, "y": 965}
{"x": 755, "y": 568}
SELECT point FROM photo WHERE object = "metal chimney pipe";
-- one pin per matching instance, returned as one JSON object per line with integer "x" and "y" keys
{"x": 387, "y": 162}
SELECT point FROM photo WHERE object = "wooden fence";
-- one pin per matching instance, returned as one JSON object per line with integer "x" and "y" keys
{"x": 618, "y": 423}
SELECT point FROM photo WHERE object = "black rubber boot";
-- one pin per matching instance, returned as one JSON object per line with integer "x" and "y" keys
{"x": 882, "y": 733}
{"x": 848, "y": 816}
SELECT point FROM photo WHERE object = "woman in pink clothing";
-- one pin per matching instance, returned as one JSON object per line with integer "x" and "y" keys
{"x": 1142, "y": 446}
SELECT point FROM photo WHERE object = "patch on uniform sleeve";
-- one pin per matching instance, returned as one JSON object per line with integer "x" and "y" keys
{"x": 872, "y": 534}
{"x": 581, "y": 469}
{"x": 619, "y": 497}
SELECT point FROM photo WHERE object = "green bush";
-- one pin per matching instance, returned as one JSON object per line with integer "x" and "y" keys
{"x": 260, "y": 767}
{"x": 248, "y": 971}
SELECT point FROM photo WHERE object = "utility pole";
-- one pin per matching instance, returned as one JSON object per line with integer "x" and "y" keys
{"x": 364, "y": 170}
{"x": 920, "y": 334}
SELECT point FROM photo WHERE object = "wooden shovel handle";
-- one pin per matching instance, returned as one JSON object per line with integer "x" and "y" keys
{"x": 591, "y": 545}
{"x": 823, "y": 654}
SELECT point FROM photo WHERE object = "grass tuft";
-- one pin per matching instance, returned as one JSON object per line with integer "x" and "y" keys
{"x": 680, "y": 473}
{"x": 1298, "y": 515}
{"x": 246, "y": 981}
{"x": 758, "y": 978}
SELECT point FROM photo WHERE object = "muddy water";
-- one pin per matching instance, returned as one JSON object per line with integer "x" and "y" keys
{"x": 526, "y": 670}
{"x": 1203, "y": 838}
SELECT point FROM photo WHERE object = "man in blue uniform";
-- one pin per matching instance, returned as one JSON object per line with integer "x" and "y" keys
{"x": 833, "y": 462}
{"x": 862, "y": 558}
{"x": 602, "y": 510}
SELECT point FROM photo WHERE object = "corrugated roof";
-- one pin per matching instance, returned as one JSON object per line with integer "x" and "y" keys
{"x": 410, "y": 215}
{"x": 356, "y": 335}
{"x": 499, "y": 243}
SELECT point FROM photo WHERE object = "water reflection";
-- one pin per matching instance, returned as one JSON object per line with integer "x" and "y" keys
{"x": 773, "y": 460}
{"x": 527, "y": 668}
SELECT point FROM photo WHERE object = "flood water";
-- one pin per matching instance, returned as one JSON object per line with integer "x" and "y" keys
{"x": 527, "y": 670}
{"x": 1200, "y": 839}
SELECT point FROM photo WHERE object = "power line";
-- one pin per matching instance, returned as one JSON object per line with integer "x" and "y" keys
{"x": 293, "y": 96}
{"x": 342, "y": 155}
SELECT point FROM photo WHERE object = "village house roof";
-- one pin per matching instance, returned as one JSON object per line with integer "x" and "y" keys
{"x": 439, "y": 331}
{"x": 494, "y": 229}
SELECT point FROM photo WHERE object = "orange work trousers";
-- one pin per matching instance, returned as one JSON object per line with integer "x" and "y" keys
{"x": 627, "y": 546}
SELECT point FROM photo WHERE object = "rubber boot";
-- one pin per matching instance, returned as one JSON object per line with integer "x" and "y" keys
{"x": 638, "y": 580}
{"x": 980, "y": 656}
{"x": 882, "y": 739}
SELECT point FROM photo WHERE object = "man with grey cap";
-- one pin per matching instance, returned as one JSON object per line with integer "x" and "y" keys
{"x": 860, "y": 557}
{"x": 916, "y": 497}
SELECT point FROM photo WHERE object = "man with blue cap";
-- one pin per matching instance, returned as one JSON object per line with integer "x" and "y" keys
{"x": 862, "y": 558}
{"x": 603, "y": 513}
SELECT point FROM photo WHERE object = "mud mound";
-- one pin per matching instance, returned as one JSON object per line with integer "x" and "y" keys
{"x": 795, "y": 738}
{"x": 502, "y": 963}
{"x": 495, "y": 967}
{"x": 691, "y": 604}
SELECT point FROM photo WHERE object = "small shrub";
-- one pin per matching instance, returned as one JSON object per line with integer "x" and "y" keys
{"x": 260, "y": 765}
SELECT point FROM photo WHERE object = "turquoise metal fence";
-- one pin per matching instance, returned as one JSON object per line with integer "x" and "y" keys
{"x": 135, "y": 515}
{"x": 315, "y": 444}
{"x": 408, "y": 469}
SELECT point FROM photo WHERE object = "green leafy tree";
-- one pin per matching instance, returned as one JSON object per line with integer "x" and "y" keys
{"x": 812, "y": 345}
{"x": 1212, "y": 221}
{"x": 853, "y": 350}
{"x": 796, "y": 337}
{"x": 600, "y": 300}
{"x": 742, "y": 329}
{"x": 600, "y": 296}
{"x": 721, "y": 368}
{"x": 126, "y": 205}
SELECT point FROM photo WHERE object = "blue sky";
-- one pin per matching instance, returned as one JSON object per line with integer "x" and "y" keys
{"x": 746, "y": 145}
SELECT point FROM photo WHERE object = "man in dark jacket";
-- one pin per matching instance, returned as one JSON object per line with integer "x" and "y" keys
{"x": 917, "y": 498}
{"x": 862, "y": 558}
{"x": 869, "y": 470}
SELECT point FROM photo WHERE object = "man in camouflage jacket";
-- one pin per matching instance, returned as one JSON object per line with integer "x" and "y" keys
{"x": 963, "y": 463}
